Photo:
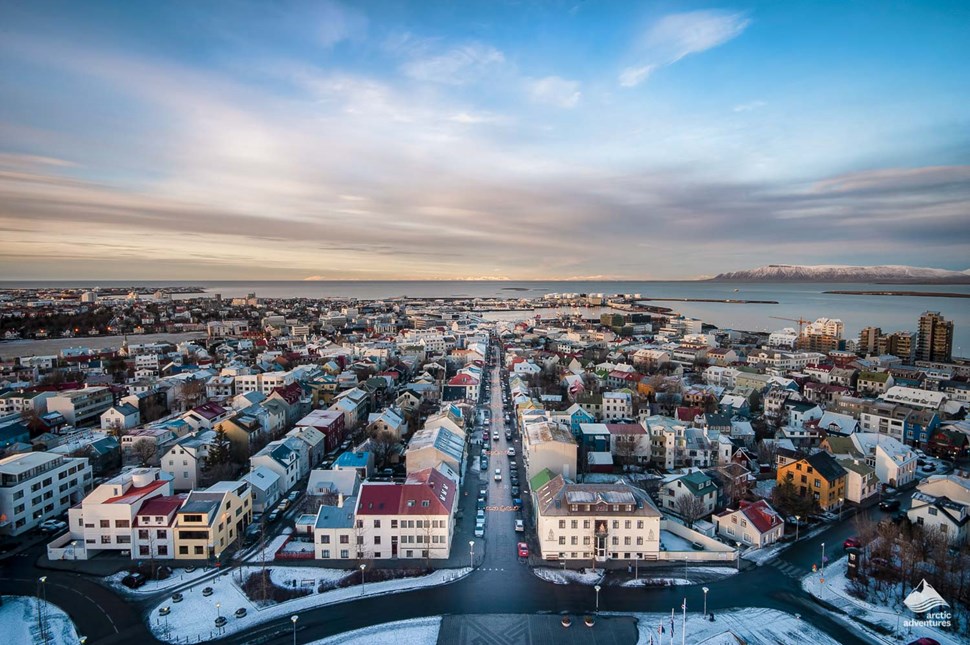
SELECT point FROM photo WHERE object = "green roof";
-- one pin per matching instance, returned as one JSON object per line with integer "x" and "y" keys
{"x": 540, "y": 479}
{"x": 697, "y": 482}
{"x": 878, "y": 377}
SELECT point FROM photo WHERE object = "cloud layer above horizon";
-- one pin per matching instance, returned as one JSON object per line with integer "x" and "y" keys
{"x": 444, "y": 140}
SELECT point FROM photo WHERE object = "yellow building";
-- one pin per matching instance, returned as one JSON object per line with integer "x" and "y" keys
{"x": 820, "y": 477}
{"x": 211, "y": 520}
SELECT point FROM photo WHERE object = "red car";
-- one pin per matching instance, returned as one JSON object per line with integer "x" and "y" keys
{"x": 925, "y": 641}
{"x": 852, "y": 542}
{"x": 523, "y": 550}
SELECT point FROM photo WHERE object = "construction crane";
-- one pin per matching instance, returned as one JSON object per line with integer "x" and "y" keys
{"x": 801, "y": 322}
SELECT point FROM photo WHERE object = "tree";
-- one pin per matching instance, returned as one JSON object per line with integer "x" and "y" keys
{"x": 190, "y": 393}
{"x": 785, "y": 498}
{"x": 690, "y": 508}
{"x": 382, "y": 444}
{"x": 144, "y": 451}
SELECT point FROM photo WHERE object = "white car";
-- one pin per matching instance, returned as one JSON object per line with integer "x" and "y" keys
{"x": 511, "y": 452}
{"x": 498, "y": 474}
{"x": 480, "y": 529}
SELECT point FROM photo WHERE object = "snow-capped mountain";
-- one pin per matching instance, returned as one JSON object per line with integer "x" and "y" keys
{"x": 843, "y": 273}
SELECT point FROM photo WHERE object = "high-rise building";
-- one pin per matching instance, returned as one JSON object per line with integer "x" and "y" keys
{"x": 869, "y": 340}
{"x": 900, "y": 343}
{"x": 935, "y": 338}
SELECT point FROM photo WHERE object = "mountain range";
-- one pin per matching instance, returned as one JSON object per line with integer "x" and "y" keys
{"x": 895, "y": 274}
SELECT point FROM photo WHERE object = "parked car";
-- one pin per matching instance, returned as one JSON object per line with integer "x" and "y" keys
{"x": 479, "y": 529}
{"x": 241, "y": 612}
{"x": 519, "y": 526}
{"x": 515, "y": 489}
{"x": 283, "y": 505}
{"x": 52, "y": 526}
{"x": 134, "y": 580}
{"x": 483, "y": 491}
{"x": 272, "y": 517}
{"x": 292, "y": 497}
{"x": 516, "y": 502}
{"x": 928, "y": 468}
{"x": 889, "y": 505}
{"x": 852, "y": 543}
{"x": 510, "y": 452}
{"x": 480, "y": 515}
{"x": 523, "y": 550}
{"x": 498, "y": 475}
{"x": 508, "y": 436}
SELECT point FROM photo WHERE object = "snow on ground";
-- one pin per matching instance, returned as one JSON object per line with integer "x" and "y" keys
{"x": 673, "y": 542}
{"x": 22, "y": 624}
{"x": 268, "y": 552}
{"x": 178, "y": 577}
{"x": 194, "y": 617}
{"x": 417, "y": 631}
{"x": 891, "y": 617}
{"x": 299, "y": 576}
{"x": 763, "y": 487}
{"x": 764, "y": 554}
{"x": 757, "y": 626}
{"x": 692, "y": 576}
{"x": 657, "y": 582}
{"x": 295, "y": 546}
{"x": 569, "y": 576}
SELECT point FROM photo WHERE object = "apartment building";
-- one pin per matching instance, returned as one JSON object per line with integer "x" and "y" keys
{"x": 81, "y": 407}
{"x": 210, "y": 521}
{"x": 595, "y": 521}
{"x": 819, "y": 477}
{"x": 37, "y": 486}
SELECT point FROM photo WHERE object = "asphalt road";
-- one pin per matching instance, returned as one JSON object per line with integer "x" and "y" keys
{"x": 502, "y": 584}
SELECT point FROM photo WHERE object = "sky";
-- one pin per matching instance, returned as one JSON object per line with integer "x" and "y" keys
{"x": 480, "y": 140}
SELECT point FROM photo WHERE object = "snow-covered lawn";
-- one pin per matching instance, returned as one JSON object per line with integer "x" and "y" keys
{"x": 764, "y": 554}
{"x": 194, "y": 617}
{"x": 268, "y": 552}
{"x": 294, "y": 546}
{"x": 891, "y": 616}
{"x": 691, "y": 576}
{"x": 569, "y": 577}
{"x": 673, "y": 542}
{"x": 178, "y": 577}
{"x": 764, "y": 487}
{"x": 21, "y": 624}
{"x": 757, "y": 626}
{"x": 657, "y": 582}
{"x": 417, "y": 631}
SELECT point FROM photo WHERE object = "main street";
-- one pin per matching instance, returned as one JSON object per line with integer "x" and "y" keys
{"x": 501, "y": 583}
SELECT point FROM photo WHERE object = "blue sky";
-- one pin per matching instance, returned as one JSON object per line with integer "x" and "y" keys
{"x": 442, "y": 140}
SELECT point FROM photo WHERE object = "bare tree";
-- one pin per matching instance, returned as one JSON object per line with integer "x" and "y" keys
{"x": 190, "y": 393}
{"x": 144, "y": 451}
{"x": 690, "y": 508}
{"x": 382, "y": 444}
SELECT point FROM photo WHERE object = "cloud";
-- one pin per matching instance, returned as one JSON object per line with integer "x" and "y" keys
{"x": 338, "y": 23}
{"x": 633, "y": 76}
{"x": 678, "y": 35}
{"x": 471, "y": 118}
{"x": 457, "y": 66}
{"x": 555, "y": 90}
{"x": 748, "y": 107}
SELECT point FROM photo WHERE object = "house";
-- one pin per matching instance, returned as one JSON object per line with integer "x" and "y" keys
{"x": 145, "y": 446}
{"x": 754, "y": 524}
{"x": 593, "y": 521}
{"x": 692, "y": 496}
{"x": 575, "y": 416}
{"x": 120, "y": 417}
{"x": 212, "y": 520}
{"x": 153, "y": 535}
{"x": 329, "y": 422}
{"x": 330, "y": 486}
{"x": 667, "y": 441}
{"x": 819, "y": 477}
{"x": 617, "y": 405}
{"x": 947, "y": 443}
{"x": 13, "y": 433}
{"x": 861, "y": 482}
{"x": 629, "y": 443}
{"x": 354, "y": 404}
{"x": 412, "y": 520}
{"x": 38, "y": 486}
{"x": 838, "y": 424}
{"x": 334, "y": 531}
{"x": 186, "y": 459}
{"x": 432, "y": 446}
{"x": 265, "y": 486}
{"x": 314, "y": 442}
{"x": 208, "y": 415}
{"x": 104, "y": 519}
{"x": 461, "y": 387}
{"x": 389, "y": 420}
{"x": 362, "y": 461}
{"x": 734, "y": 405}
{"x": 284, "y": 458}
{"x": 942, "y": 503}
{"x": 546, "y": 444}
{"x": 873, "y": 384}
{"x": 894, "y": 462}
{"x": 243, "y": 431}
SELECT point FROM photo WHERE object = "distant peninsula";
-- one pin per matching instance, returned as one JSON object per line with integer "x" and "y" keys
{"x": 890, "y": 274}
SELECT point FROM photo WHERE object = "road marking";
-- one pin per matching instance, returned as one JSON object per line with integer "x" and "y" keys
{"x": 501, "y": 509}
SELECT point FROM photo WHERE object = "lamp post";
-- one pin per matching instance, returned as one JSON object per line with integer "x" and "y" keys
{"x": 82, "y": 640}
{"x": 636, "y": 567}
{"x": 597, "y": 588}
{"x": 42, "y": 600}
{"x": 74, "y": 550}
{"x": 821, "y": 572}
{"x": 841, "y": 500}
{"x": 798, "y": 520}
{"x": 218, "y": 610}
{"x": 294, "y": 618}
{"x": 471, "y": 554}
{"x": 362, "y": 567}
{"x": 705, "y": 590}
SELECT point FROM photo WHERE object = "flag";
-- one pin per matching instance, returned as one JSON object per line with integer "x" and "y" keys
{"x": 684, "y": 605}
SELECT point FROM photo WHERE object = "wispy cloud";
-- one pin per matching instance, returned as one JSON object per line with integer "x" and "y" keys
{"x": 337, "y": 22}
{"x": 457, "y": 66}
{"x": 748, "y": 107}
{"x": 678, "y": 35}
{"x": 555, "y": 90}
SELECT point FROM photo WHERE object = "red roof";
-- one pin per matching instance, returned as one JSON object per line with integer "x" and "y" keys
{"x": 406, "y": 499}
{"x": 161, "y": 506}
{"x": 761, "y": 515}
{"x": 136, "y": 492}
{"x": 290, "y": 393}
{"x": 626, "y": 428}
{"x": 463, "y": 379}
{"x": 688, "y": 414}
{"x": 209, "y": 410}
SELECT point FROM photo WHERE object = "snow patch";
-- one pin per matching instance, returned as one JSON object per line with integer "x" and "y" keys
{"x": 569, "y": 577}
{"x": 756, "y": 625}
{"x": 22, "y": 624}
{"x": 417, "y": 631}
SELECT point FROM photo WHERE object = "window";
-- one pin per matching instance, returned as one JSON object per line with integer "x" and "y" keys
{"x": 615, "y": 541}
{"x": 393, "y": 524}
{"x": 325, "y": 554}
{"x": 574, "y": 524}
{"x": 122, "y": 524}
{"x": 627, "y": 524}
{"x": 585, "y": 524}
{"x": 639, "y": 540}
{"x": 142, "y": 534}
{"x": 183, "y": 550}
{"x": 344, "y": 539}
{"x": 818, "y": 483}
{"x": 562, "y": 539}
{"x": 562, "y": 524}
{"x": 586, "y": 540}
{"x": 377, "y": 524}
{"x": 616, "y": 524}
{"x": 639, "y": 524}
{"x": 106, "y": 524}
{"x": 626, "y": 541}
{"x": 162, "y": 549}
{"x": 574, "y": 540}
{"x": 377, "y": 540}
{"x": 198, "y": 550}
{"x": 344, "y": 553}
{"x": 932, "y": 511}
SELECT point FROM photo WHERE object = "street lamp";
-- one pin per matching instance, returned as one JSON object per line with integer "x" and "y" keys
{"x": 294, "y": 618}
{"x": 42, "y": 598}
{"x": 362, "y": 567}
{"x": 218, "y": 610}
{"x": 798, "y": 520}
{"x": 471, "y": 553}
{"x": 841, "y": 500}
{"x": 636, "y": 567}
{"x": 82, "y": 639}
{"x": 705, "y": 590}
{"x": 597, "y": 588}
{"x": 821, "y": 572}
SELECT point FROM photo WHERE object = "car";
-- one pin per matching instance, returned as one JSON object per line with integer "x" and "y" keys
{"x": 889, "y": 505}
{"x": 207, "y": 591}
{"x": 928, "y": 468}
{"x": 519, "y": 526}
{"x": 483, "y": 491}
{"x": 134, "y": 580}
{"x": 516, "y": 502}
{"x": 480, "y": 505}
{"x": 495, "y": 437}
{"x": 295, "y": 495}
{"x": 515, "y": 489}
{"x": 480, "y": 529}
{"x": 852, "y": 543}
{"x": 485, "y": 436}
{"x": 272, "y": 517}
{"x": 283, "y": 505}
{"x": 221, "y": 621}
{"x": 53, "y": 526}
{"x": 925, "y": 641}
{"x": 241, "y": 612}
{"x": 251, "y": 536}
{"x": 498, "y": 476}
{"x": 510, "y": 452}
{"x": 523, "y": 549}
{"x": 508, "y": 436}
{"x": 480, "y": 515}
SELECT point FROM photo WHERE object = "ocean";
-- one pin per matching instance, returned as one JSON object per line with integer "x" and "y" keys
{"x": 805, "y": 300}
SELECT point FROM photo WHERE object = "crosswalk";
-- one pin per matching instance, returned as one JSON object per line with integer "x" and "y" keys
{"x": 790, "y": 570}
{"x": 490, "y": 569}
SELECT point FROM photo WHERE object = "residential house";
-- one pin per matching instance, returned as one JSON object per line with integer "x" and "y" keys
{"x": 818, "y": 477}
{"x": 120, "y": 417}
{"x": 153, "y": 534}
{"x": 629, "y": 443}
{"x": 285, "y": 458}
{"x": 186, "y": 459}
{"x": 861, "y": 483}
{"x": 265, "y": 486}
{"x": 361, "y": 461}
{"x": 894, "y": 462}
{"x": 874, "y": 383}
{"x": 546, "y": 444}
{"x": 942, "y": 503}
{"x": 328, "y": 422}
{"x": 695, "y": 492}
{"x": 335, "y": 532}
{"x": 434, "y": 445}
{"x": 754, "y": 524}
{"x": 389, "y": 420}
{"x": 212, "y": 520}
{"x": 314, "y": 442}
{"x": 617, "y": 405}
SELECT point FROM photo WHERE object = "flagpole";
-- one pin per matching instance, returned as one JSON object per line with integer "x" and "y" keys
{"x": 671, "y": 626}
{"x": 683, "y": 631}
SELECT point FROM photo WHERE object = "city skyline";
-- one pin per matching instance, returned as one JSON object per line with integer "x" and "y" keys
{"x": 486, "y": 140}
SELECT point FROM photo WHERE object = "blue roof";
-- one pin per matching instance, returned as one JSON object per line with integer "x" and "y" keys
{"x": 353, "y": 459}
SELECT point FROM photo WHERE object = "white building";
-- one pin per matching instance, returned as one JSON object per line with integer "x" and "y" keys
{"x": 894, "y": 462}
{"x": 185, "y": 460}
{"x": 38, "y": 486}
{"x": 81, "y": 407}
{"x": 754, "y": 524}
{"x": 943, "y": 503}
